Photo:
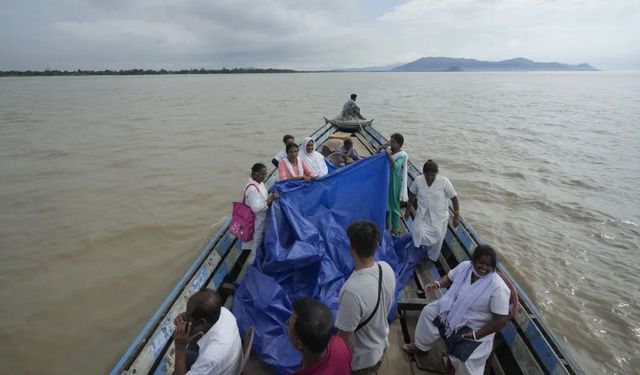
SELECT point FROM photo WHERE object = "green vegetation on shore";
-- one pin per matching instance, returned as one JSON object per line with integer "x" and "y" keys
{"x": 132, "y": 72}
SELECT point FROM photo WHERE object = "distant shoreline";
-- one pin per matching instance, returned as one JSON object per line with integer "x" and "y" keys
{"x": 137, "y": 72}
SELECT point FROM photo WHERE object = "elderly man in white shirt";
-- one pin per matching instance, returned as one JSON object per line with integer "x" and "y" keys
{"x": 220, "y": 347}
{"x": 433, "y": 193}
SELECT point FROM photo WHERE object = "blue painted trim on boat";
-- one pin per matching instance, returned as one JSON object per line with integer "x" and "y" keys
{"x": 509, "y": 334}
{"x": 541, "y": 347}
{"x": 225, "y": 244}
{"x": 140, "y": 340}
{"x": 219, "y": 276}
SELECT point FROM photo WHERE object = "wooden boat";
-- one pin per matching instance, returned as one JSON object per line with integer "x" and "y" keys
{"x": 526, "y": 345}
{"x": 351, "y": 125}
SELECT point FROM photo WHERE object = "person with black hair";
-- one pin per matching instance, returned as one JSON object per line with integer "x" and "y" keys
{"x": 348, "y": 154}
{"x": 282, "y": 154}
{"x": 350, "y": 109}
{"x": 365, "y": 300}
{"x": 294, "y": 167}
{"x": 433, "y": 193}
{"x": 398, "y": 160}
{"x": 310, "y": 330}
{"x": 475, "y": 306}
{"x": 220, "y": 347}
{"x": 257, "y": 197}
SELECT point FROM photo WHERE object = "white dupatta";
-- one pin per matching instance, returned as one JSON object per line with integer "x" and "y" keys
{"x": 290, "y": 167}
{"x": 456, "y": 302}
{"x": 404, "y": 195}
{"x": 314, "y": 159}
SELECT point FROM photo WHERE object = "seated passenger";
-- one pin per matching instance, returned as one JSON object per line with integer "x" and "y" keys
{"x": 282, "y": 154}
{"x": 348, "y": 153}
{"x": 365, "y": 300}
{"x": 350, "y": 109}
{"x": 220, "y": 347}
{"x": 257, "y": 197}
{"x": 468, "y": 314}
{"x": 310, "y": 330}
{"x": 292, "y": 167}
{"x": 313, "y": 158}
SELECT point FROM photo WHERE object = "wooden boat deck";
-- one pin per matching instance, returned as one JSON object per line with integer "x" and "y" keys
{"x": 524, "y": 346}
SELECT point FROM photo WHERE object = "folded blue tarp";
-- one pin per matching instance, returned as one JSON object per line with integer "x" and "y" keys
{"x": 306, "y": 252}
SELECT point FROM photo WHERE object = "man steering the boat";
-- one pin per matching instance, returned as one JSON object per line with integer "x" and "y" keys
{"x": 350, "y": 110}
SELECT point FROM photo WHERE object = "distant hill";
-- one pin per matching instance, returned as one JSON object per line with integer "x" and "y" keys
{"x": 519, "y": 64}
{"x": 385, "y": 68}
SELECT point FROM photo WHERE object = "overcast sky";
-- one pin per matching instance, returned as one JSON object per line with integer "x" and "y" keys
{"x": 299, "y": 34}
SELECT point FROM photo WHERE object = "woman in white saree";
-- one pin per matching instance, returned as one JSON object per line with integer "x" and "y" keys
{"x": 475, "y": 306}
{"x": 293, "y": 167}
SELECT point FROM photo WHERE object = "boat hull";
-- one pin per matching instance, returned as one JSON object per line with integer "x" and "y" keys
{"x": 528, "y": 344}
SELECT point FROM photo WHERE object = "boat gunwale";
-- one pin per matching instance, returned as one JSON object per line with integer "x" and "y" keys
{"x": 559, "y": 352}
{"x": 150, "y": 328}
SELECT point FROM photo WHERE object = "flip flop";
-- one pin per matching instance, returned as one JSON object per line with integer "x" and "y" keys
{"x": 409, "y": 348}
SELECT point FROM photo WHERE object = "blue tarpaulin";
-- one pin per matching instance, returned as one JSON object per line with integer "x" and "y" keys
{"x": 306, "y": 252}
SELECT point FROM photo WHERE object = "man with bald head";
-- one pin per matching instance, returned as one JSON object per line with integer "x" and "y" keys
{"x": 220, "y": 348}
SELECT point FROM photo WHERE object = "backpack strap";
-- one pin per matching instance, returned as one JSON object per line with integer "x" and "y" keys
{"x": 375, "y": 309}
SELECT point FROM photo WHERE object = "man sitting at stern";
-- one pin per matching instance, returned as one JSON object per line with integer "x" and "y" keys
{"x": 220, "y": 348}
{"x": 350, "y": 110}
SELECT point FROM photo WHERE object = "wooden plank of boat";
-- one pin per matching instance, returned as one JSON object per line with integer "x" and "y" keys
{"x": 542, "y": 348}
{"x": 351, "y": 125}
{"x": 527, "y": 339}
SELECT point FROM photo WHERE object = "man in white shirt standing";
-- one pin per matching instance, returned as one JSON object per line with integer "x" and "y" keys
{"x": 365, "y": 300}
{"x": 220, "y": 347}
{"x": 433, "y": 193}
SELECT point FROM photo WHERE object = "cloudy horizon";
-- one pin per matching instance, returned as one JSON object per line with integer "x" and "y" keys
{"x": 179, "y": 34}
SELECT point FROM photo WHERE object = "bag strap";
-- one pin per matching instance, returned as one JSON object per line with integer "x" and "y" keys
{"x": 244, "y": 196}
{"x": 375, "y": 309}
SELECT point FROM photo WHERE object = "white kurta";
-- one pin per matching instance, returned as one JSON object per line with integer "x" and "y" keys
{"x": 494, "y": 301}
{"x": 430, "y": 221}
{"x": 220, "y": 350}
{"x": 282, "y": 154}
{"x": 257, "y": 200}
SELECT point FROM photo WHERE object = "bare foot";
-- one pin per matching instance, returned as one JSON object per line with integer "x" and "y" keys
{"x": 409, "y": 348}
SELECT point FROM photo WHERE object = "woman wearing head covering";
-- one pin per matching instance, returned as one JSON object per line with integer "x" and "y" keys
{"x": 313, "y": 158}
{"x": 293, "y": 167}
{"x": 257, "y": 197}
{"x": 397, "y": 180}
{"x": 475, "y": 306}
{"x": 433, "y": 193}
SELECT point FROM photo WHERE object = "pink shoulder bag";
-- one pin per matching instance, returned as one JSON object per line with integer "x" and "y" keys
{"x": 243, "y": 220}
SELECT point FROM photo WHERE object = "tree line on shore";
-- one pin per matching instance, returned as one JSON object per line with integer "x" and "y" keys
{"x": 131, "y": 72}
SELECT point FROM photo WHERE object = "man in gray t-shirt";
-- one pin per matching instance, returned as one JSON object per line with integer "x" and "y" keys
{"x": 358, "y": 299}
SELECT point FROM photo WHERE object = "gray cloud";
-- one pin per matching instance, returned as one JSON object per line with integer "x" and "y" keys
{"x": 98, "y": 34}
